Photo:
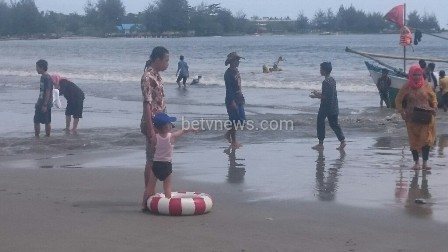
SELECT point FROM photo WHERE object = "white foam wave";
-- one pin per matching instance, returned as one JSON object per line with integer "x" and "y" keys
{"x": 252, "y": 80}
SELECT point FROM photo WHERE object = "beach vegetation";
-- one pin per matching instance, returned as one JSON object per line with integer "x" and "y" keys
{"x": 22, "y": 19}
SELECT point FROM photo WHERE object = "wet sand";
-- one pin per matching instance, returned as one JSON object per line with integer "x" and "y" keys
{"x": 97, "y": 209}
{"x": 82, "y": 192}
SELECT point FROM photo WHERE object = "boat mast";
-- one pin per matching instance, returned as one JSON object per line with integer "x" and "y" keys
{"x": 404, "y": 47}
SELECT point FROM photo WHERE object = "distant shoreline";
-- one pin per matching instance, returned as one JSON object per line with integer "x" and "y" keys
{"x": 48, "y": 37}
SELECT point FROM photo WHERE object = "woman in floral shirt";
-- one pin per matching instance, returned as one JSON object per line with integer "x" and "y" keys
{"x": 153, "y": 102}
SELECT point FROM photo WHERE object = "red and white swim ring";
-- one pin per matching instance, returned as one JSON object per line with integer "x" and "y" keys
{"x": 180, "y": 203}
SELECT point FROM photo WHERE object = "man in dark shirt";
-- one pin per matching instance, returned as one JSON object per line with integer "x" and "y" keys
{"x": 42, "y": 114}
{"x": 432, "y": 79}
{"x": 75, "y": 99}
{"x": 328, "y": 107}
{"x": 234, "y": 97}
{"x": 383, "y": 86}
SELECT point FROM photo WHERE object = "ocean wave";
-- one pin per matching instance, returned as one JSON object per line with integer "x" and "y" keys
{"x": 250, "y": 80}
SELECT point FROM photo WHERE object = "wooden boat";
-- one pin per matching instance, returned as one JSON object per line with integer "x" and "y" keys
{"x": 398, "y": 77}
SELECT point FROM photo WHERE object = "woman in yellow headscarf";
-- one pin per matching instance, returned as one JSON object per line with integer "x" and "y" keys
{"x": 419, "y": 98}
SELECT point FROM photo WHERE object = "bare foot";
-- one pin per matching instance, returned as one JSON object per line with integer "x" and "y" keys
{"x": 235, "y": 145}
{"x": 318, "y": 147}
{"x": 341, "y": 146}
{"x": 425, "y": 166}
{"x": 416, "y": 166}
{"x": 227, "y": 136}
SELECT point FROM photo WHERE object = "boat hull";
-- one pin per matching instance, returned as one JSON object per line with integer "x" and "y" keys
{"x": 396, "y": 82}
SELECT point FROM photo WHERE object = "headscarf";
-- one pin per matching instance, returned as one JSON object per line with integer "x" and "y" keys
{"x": 56, "y": 80}
{"x": 415, "y": 68}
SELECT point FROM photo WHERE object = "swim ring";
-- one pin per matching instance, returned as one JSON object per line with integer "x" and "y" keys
{"x": 180, "y": 203}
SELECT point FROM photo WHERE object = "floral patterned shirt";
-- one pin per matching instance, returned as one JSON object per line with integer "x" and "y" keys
{"x": 152, "y": 91}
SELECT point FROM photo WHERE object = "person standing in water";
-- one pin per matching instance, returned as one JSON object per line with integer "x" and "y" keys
{"x": 182, "y": 72}
{"x": 234, "y": 97}
{"x": 75, "y": 100}
{"x": 383, "y": 85}
{"x": 42, "y": 113}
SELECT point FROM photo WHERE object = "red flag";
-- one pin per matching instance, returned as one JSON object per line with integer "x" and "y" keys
{"x": 396, "y": 15}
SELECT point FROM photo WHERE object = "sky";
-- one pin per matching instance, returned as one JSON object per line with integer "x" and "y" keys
{"x": 272, "y": 8}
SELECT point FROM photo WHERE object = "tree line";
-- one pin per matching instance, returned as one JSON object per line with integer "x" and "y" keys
{"x": 23, "y": 18}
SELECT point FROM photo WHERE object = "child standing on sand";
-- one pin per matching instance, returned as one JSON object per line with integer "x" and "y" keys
{"x": 162, "y": 166}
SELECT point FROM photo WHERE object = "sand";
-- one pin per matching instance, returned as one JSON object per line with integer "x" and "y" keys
{"x": 97, "y": 209}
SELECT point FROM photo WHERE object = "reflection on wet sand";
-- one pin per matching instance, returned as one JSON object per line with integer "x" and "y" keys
{"x": 326, "y": 182}
{"x": 442, "y": 142}
{"x": 383, "y": 142}
{"x": 236, "y": 170}
{"x": 401, "y": 188}
{"x": 418, "y": 202}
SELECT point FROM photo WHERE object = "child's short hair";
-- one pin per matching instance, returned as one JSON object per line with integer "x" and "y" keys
{"x": 385, "y": 71}
{"x": 441, "y": 73}
{"x": 326, "y": 66}
{"x": 42, "y": 64}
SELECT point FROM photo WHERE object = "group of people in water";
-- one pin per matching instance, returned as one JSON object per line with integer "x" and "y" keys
{"x": 274, "y": 67}
{"x": 416, "y": 102}
{"x": 384, "y": 83}
{"x": 156, "y": 124}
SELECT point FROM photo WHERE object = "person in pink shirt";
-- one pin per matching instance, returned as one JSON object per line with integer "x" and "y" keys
{"x": 162, "y": 166}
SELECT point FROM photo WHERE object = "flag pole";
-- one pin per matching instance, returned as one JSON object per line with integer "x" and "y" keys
{"x": 404, "y": 47}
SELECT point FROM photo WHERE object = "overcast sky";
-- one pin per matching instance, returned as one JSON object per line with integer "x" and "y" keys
{"x": 273, "y": 8}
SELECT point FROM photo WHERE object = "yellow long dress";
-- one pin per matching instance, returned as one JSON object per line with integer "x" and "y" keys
{"x": 419, "y": 135}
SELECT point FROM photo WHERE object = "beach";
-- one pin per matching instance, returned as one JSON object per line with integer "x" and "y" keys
{"x": 82, "y": 192}
{"x": 97, "y": 210}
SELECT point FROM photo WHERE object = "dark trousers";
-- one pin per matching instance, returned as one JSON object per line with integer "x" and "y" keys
{"x": 183, "y": 78}
{"x": 384, "y": 95}
{"x": 333, "y": 121}
{"x": 425, "y": 153}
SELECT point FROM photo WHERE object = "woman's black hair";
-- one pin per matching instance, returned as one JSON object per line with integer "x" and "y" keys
{"x": 157, "y": 53}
